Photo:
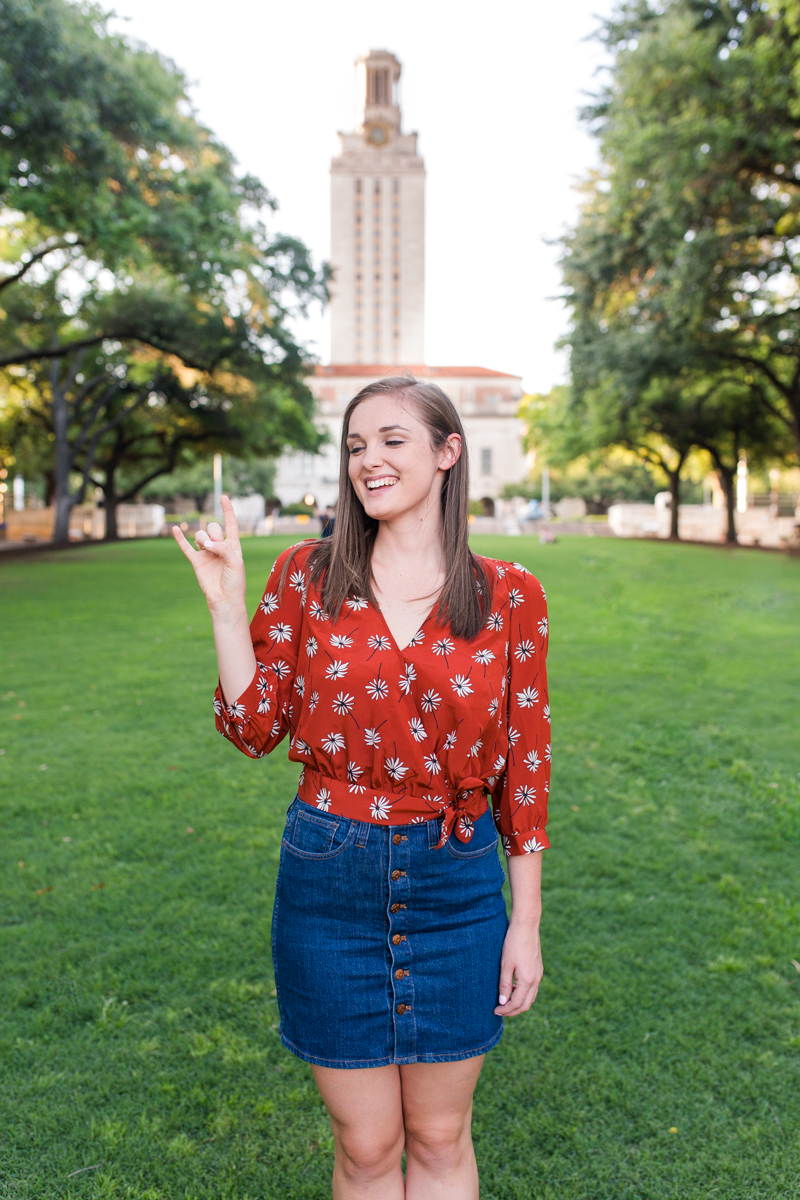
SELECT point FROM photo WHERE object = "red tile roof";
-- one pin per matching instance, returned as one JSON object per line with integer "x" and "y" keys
{"x": 419, "y": 371}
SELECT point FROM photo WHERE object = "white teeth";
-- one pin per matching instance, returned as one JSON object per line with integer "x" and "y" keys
{"x": 372, "y": 484}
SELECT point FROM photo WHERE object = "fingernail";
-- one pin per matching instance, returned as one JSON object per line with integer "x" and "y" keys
{"x": 503, "y": 999}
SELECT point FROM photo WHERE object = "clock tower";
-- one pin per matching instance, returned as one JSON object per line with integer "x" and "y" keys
{"x": 378, "y": 228}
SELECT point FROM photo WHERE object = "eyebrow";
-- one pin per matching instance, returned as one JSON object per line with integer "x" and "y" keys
{"x": 383, "y": 429}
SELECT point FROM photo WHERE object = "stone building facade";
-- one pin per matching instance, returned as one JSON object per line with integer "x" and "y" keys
{"x": 378, "y": 301}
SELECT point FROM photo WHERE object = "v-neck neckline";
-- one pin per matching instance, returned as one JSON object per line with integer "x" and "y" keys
{"x": 418, "y": 630}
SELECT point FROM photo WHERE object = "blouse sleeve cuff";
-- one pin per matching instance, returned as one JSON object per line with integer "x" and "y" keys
{"x": 239, "y": 721}
{"x": 526, "y": 843}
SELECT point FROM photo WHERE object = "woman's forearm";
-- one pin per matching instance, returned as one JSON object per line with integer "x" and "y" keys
{"x": 525, "y": 878}
{"x": 235, "y": 658}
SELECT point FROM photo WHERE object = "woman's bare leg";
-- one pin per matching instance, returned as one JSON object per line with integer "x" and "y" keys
{"x": 366, "y": 1111}
{"x": 437, "y": 1115}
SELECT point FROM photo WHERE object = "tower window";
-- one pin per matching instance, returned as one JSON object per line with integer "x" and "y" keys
{"x": 378, "y": 86}
{"x": 486, "y": 460}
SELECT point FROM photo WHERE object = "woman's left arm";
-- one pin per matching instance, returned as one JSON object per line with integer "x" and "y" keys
{"x": 521, "y": 967}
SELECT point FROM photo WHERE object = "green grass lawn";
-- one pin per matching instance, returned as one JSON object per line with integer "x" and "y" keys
{"x": 138, "y": 1022}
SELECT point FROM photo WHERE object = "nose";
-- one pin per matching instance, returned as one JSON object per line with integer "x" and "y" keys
{"x": 373, "y": 457}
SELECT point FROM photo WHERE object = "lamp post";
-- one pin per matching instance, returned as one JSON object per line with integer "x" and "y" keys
{"x": 741, "y": 485}
{"x": 217, "y": 487}
{"x": 546, "y": 493}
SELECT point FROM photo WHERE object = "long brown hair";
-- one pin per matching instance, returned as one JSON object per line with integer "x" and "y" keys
{"x": 343, "y": 560}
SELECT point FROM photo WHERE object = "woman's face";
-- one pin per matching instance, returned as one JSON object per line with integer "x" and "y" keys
{"x": 392, "y": 465}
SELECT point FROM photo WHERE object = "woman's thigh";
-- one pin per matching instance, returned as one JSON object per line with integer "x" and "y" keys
{"x": 437, "y": 1097}
{"x": 365, "y": 1104}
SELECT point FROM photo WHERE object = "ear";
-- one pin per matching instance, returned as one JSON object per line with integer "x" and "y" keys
{"x": 451, "y": 452}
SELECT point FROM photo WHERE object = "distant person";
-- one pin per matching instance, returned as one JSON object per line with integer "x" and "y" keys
{"x": 328, "y": 519}
{"x": 409, "y": 675}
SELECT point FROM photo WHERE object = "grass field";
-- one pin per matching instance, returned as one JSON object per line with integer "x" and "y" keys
{"x": 138, "y": 852}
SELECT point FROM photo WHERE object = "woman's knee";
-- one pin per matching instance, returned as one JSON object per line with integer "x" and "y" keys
{"x": 440, "y": 1144}
{"x": 365, "y": 1155}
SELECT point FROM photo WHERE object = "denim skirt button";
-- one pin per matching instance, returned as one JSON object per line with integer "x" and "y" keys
{"x": 397, "y": 939}
{"x": 397, "y": 839}
{"x": 396, "y": 875}
{"x": 399, "y": 973}
{"x": 401, "y": 1008}
{"x": 395, "y": 908}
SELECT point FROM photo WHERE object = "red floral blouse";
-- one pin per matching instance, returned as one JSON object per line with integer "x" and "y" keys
{"x": 395, "y": 736}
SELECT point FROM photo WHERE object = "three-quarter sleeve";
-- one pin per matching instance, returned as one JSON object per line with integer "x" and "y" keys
{"x": 521, "y": 793}
{"x": 264, "y": 713}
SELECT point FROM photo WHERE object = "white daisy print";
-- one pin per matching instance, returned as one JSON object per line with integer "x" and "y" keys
{"x": 417, "y": 821}
{"x": 417, "y": 729}
{"x": 311, "y": 647}
{"x": 450, "y": 740}
{"x": 501, "y": 569}
{"x": 430, "y": 701}
{"x": 495, "y": 621}
{"x": 494, "y": 704}
{"x": 395, "y": 769}
{"x": 507, "y": 845}
{"x": 280, "y": 632}
{"x": 281, "y": 669}
{"x": 300, "y": 684}
{"x": 465, "y": 827}
{"x": 532, "y": 845}
{"x": 236, "y": 710}
{"x": 301, "y": 747}
{"x": 380, "y": 809}
{"x": 343, "y": 704}
{"x": 336, "y": 670}
{"x": 406, "y": 678}
{"x": 475, "y": 750}
{"x": 357, "y": 603}
{"x": 340, "y": 641}
{"x": 532, "y": 761}
{"x": 377, "y": 689}
{"x": 513, "y": 736}
{"x": 323, "y": 799}
{"x": 524, "y": 650}
{"x": 548, "y": 753}
{"x": 276, "y": 727}
{"x": 483, "y": 657}
{"x": 515, "y": 598}
{"x": 333, "y": 743}
{"x": 265, "y": 705}
{"x": 217, "y": 707}
{"x": 520, "y": 567}
{"x": 434, "y": 801}
{"x": 314, "y": 701}
{"x": 298, "y": 581}
{"x": 268, "y": 603}
{"x": 432, "y": 764}
{"x": 372, "y": 737}
{"x": 528, "y": 697}
{"x": 546, "y": 712}
{"x": 354, "y": 772}
{"x": 445, "y": 647}
{"x": 461, "y": 685}
{"x": 543, "y": 627}
{"x": 378, "y": 642}
{"x": 317, "y": 611}
{"x": 525, "y": 795}
{"x": 417, "y": 639}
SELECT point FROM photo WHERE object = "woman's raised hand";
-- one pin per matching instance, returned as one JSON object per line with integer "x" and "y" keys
{"x": 218, "y": 562}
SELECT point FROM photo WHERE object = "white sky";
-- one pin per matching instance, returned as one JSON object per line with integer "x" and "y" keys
{"x": 493, "y": 90}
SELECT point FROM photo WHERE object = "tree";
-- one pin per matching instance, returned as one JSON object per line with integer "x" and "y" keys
{"x": 136, "y": 237}
{"x": 682, "y": 271}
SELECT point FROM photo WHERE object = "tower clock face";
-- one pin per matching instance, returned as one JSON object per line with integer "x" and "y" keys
{"x": 377, "y": 135}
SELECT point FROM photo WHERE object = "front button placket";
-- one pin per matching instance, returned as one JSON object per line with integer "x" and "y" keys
{"x": 400, "y": 948}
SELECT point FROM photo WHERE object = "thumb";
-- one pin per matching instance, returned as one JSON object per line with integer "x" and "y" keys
{"x": 506, "y": 983}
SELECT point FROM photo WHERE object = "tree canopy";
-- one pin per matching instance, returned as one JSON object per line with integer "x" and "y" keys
{"x": 134, "y": 261}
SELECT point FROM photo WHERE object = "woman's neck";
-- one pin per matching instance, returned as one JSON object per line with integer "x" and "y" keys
{"x": 412, "y": 542}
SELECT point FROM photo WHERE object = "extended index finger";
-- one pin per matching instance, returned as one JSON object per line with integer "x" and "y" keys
{"x": 231, "y": 524}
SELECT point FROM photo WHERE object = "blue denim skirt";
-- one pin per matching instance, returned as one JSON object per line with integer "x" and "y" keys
{"x": 386, "y": 950}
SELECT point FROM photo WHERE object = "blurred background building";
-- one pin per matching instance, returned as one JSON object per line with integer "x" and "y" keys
{"x": 378, "y": 302}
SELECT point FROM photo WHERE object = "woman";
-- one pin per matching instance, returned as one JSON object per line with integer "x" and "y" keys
{"x": 410, "y": 677}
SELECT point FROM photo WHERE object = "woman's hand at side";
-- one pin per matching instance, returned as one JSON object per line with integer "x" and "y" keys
{"x": 219, "y": 568}
{"x": 521, "y": 966}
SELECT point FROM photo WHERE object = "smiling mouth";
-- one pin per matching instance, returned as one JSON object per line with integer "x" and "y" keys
{"x": 385, "y": 481}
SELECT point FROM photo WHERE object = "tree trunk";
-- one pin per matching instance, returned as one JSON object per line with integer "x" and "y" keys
{"x": 110, "y": 499}
{"x": 63, "y": 500}
{"x": 726, "y": 478}
{"x": 675, "y": 499}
